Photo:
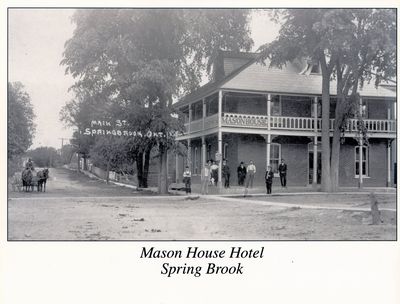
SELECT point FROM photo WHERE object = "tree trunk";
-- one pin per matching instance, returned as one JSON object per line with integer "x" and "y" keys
{"x": 325, "y": 138}
{"x": 335, "y": 158}
{"x": 146, "y": 167}
{"x": 139, "y": 167}
{"x": 85, "y": 162}
{"x": 79, "y": 162}
{"x": 163, "y": 181}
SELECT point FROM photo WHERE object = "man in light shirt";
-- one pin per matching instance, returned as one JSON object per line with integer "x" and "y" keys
{"x": 205, "y": 178}
{"x": 251, "y": 171}
{"x": 187, "y": 177}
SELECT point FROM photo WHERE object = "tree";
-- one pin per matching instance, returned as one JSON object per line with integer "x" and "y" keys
{"x": 367, "y": 53}
{"x": 139, "y": 61}
{"x": 351, "y": 46}
{"x": 20, "y": 120}
{"x": 109, "y": 153}
{"x": 44, "y": 157}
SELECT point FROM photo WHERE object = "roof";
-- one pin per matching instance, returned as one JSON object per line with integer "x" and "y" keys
{"x": 258, "y": 77}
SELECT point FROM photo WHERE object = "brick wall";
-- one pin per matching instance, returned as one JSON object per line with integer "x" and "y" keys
{"x": 296, "y": 158}
{"x": 377, "y": 165}
{"x": 252, "y": 147}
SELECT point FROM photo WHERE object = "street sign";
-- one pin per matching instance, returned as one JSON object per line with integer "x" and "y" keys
{"x": 218, "y": 156}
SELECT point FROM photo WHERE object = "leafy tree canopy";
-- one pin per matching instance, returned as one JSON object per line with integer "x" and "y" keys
{"x": 20, "y": 120}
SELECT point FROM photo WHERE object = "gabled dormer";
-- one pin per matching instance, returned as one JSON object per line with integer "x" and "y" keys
{"x": 227, "y": 62}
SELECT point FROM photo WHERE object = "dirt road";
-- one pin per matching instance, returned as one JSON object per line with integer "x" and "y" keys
{"x": 78, "y": 208}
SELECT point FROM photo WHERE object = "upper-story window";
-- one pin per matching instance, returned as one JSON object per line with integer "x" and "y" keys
{"x": 185, "y": 112}
{"x": 364, "y": 109}
{"x": 212, "y": 105}
{"x": 197, "y": 110}
{"x": 319, "y": 108}
{"x": 276, "y": 108}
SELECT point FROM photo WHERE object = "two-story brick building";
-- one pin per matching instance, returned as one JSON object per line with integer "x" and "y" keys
{"x": 254, "y": 112}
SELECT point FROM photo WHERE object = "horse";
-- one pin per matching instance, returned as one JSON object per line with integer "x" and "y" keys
{"x": 42, "y": 177}
{"x": 27, "y": 178}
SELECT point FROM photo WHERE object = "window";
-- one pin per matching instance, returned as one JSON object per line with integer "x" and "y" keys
{"x": 195, "y": 169}
{"x": 225, "y": 154}
{"x": 212, "y": 105}
{"x": 364, "y": 109}
{"x": 275, "y": 105}
{"x": 185, "y": 113}
{"x": 197, "y": 110}
{"x": 275, "y": 156}
{"x": 365, "y": 160}
{"x": 208, "y": 152}
{"x": 319, "y": 108}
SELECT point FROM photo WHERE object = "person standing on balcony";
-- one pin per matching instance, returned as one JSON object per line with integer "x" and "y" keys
{"x": 269, "y": 177}
{"x": 205, "y": 177}
{"x": 241, "y": 172}
{"x": 187, "y": 177}
{"x": 251, "y": 171}
{"x": 282, "y": 172}
{"x": 226, "y": 173}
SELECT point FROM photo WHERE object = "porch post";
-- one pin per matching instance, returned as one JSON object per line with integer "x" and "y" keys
{"x": 176, "y": 168}
{"x": 220, "y": 138}
{"x": 268, "y": 139}
{"x": 204, "y": 112}
{"x": 389, "y": 145}
{"x": 315, "y": 150}
{"x": 190, "y": 118}
{"x": 360, "y": 150}
{"x": 189, "y": 154}
{"x": 389, "y": 164}
{"x": 203, "y": 151}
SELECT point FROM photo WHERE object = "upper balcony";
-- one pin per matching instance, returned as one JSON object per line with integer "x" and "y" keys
{"x": 300, "y": 125}
{"x": 289, "y": 115}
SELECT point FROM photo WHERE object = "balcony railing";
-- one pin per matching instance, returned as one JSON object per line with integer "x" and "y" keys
{"x": 197, "y": 125}
{"x": 302, "y": 123}
{"x": 286, "y": 123}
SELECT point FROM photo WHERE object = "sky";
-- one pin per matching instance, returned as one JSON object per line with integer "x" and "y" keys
{"x": 36, "y": 43}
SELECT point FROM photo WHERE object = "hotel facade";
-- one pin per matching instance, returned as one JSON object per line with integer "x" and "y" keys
{"x": 255, "y": 112}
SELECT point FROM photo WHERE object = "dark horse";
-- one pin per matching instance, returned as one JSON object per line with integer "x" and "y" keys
{"x": 42, "y": 177}
{"x": 27, "y": 179}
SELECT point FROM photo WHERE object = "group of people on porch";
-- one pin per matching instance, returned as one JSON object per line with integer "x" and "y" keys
{"x": 245, "y": 175}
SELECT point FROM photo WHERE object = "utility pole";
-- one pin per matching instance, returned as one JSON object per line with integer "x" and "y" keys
{"x": 62, "y": 141}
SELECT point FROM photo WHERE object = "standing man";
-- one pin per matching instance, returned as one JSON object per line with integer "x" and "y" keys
{"x": 205, "y": 177}
{"x": 241, "y": 173}
{"x": 226, "y": 173}
{"x": 187, "y": 177}
{"x": 282, "y": 172}
{"x": 269, "y": 177}
{"x": 251, "y": 171}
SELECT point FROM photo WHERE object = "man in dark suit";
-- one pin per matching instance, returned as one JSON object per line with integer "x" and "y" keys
{"x": 269, "y": 177}
{"x": 226, "y": 173}
{"x": 282, "y": 172}
{"x": 241, "y": 172}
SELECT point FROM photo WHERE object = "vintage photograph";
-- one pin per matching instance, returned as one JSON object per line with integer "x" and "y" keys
{"x": 202, "y": 124}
